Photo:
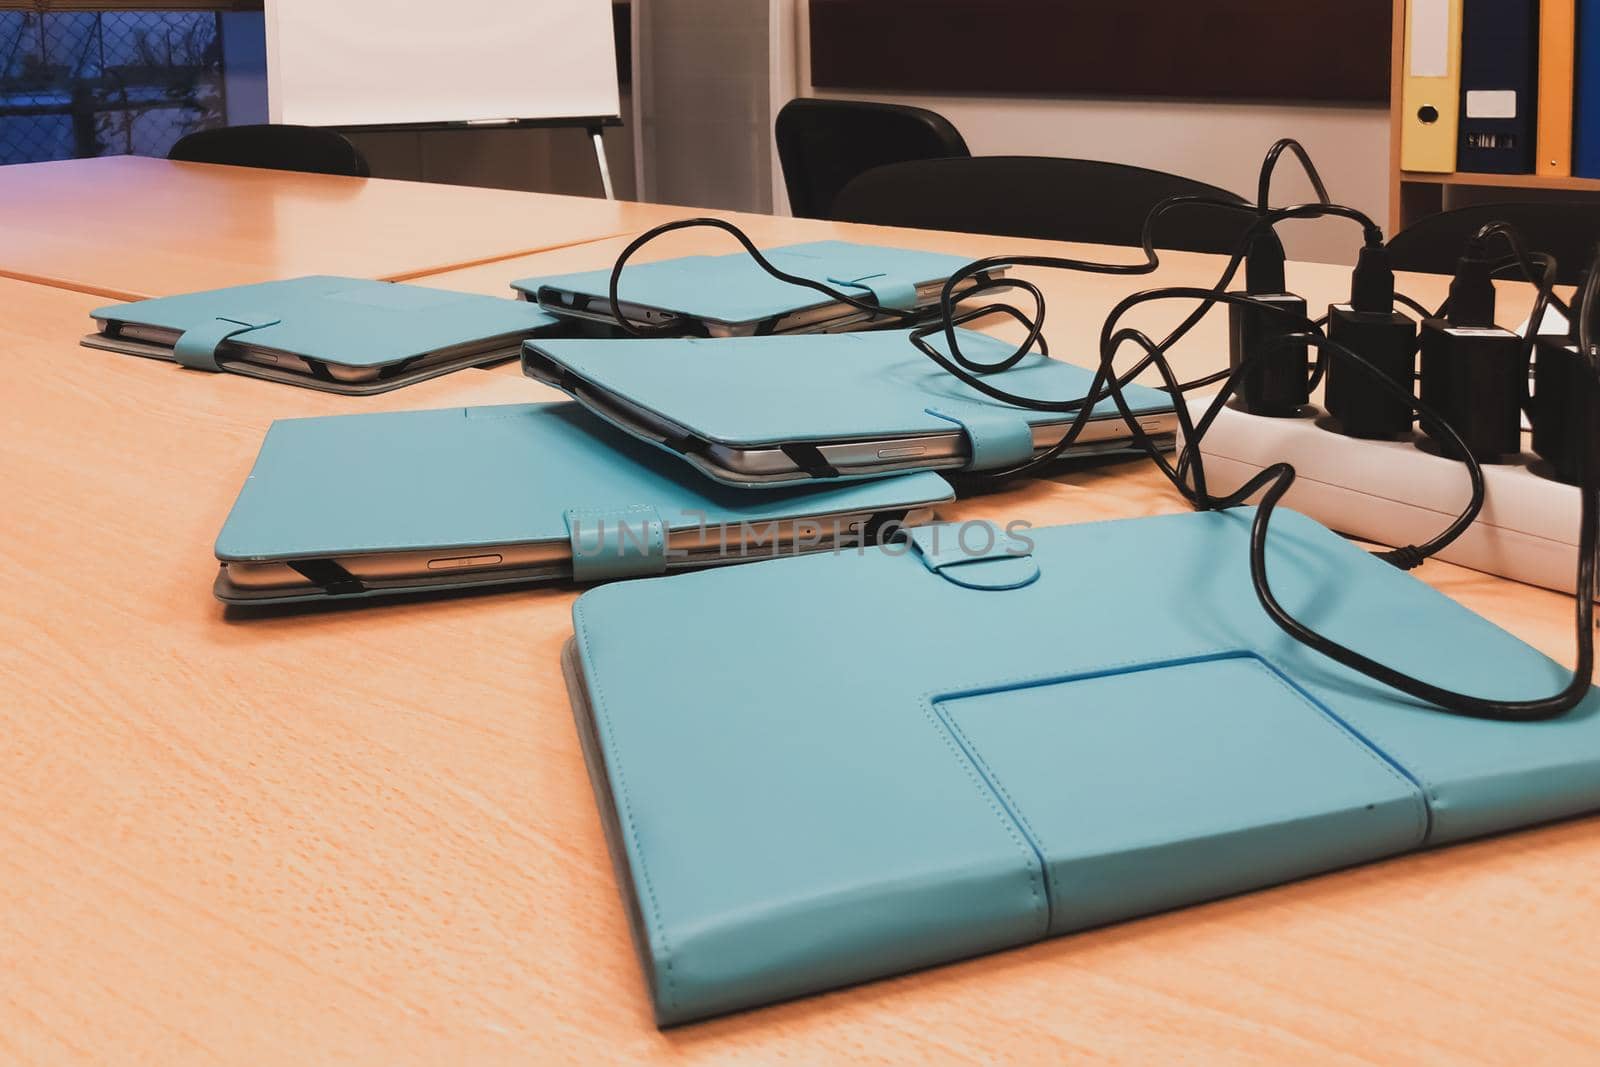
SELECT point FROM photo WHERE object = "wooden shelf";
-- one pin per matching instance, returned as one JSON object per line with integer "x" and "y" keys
{"x": 1504, "y": 181}
{"x": 1415, "y": 194}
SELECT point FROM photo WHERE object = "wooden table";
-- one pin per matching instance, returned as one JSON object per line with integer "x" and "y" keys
{"x": 128, "y": 227}
{"x": 366, "y": 834}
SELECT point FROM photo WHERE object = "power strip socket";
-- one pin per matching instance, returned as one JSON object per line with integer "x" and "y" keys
{"x": 1394, "y": 493}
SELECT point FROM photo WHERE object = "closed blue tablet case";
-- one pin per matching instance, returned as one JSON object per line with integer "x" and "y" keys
{"x": 463, "y": 478}
{"x": 755, "y": 392}
{"x": 331, "y": 321}
{"x": 732, "y": 289}
{"x": 1030, "y": 735}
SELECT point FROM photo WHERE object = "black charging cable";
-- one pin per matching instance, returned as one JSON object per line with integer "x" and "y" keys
{"x": 969, "y": 370}
{"x": 1539, "y": 269}
{"x": 1187, "y": 474}
{"x": 1269, "y": 164}
{"x": 904, "y": 317}
{"x": 1275, "y": 481}
{"x": 982, "y": 285}
{"x": 971, "y": 282}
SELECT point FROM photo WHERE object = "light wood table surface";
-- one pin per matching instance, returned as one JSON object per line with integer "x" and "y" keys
{"x": 365, "y": 835}
{"x": 128, "y": 227}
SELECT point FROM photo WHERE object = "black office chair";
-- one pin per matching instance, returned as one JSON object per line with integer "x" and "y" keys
{"x": 1033, "y": 196}
{"x": 822, "y": 144}
{"x": 311, "y": 149}
{"x": 1566, "y": 230}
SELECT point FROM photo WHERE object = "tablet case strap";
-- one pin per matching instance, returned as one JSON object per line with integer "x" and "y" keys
{"x": 976, "y": 554}
{"x": 334, "y": 579}
{"x": 197, "y": 346}
{"x": 888, "y": 292}
{"x": 996, "y": 440}
{"x": 616, "y": 542}
{"x": 809, "y": 458}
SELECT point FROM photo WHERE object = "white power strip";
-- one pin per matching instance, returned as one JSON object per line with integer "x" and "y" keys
{"x": 1394, "y": 493}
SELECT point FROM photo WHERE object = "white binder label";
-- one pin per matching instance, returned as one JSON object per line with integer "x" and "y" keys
{"x": 1430, "y": 38}
{"x": 1491, "y": 103}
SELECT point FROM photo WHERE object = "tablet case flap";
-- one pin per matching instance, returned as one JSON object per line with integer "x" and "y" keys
{"x": 352, "y": 322}
{"x": 1129, "y": 732}
{"x": 769, "y": 391}
{"x": 196, "y": 347}
{"x": 732, "y": 288}
{"x": 996, "y": 437}
{"x": 474, "y": 477}
{"x": 886, "y": 291}
{"x": 616, "y": 542}
{"x": 975, "y": 555}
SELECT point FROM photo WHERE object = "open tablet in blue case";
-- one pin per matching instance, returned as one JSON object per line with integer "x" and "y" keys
{"x": 763, "y": 411}
{"x": 1006, "y": 738}
{"x": 342, "y": 335}
{"x": 397, "y": 502}
{"x": 731, "y": 296}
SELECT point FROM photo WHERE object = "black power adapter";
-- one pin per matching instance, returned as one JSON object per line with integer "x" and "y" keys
{"x": 1566, "y": 422}
{"x": 1473, "y": 372}
{"x": 1278, "y": 383}
{"x": 1371, "y": 328}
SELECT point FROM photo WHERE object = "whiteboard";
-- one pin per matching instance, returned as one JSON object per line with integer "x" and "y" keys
{"x": 406, "y": 62}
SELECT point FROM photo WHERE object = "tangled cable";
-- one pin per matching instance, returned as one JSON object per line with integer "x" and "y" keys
{"x": 981, "y": 279}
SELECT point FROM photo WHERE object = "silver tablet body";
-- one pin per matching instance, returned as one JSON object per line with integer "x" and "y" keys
{"x": 552, "y": 560}
{"x": 825, "y": 318}
{"x": 940, "y": 450}
{"x": 154, "y": 342}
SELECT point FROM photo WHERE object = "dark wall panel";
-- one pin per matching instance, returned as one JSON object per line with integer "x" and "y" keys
{"x": 1243, "y": 49}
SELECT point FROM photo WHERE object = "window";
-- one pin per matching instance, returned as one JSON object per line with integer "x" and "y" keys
{"x": 82, "y": 83}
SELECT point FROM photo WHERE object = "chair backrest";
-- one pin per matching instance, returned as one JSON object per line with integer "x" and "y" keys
{"x": 311, "y": 149}
{"x": 1054, "y": 199}
{"x": 822, "y": 144}
{"x": 1566, "y": 230}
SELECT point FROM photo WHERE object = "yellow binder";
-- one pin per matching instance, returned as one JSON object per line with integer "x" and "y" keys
{"x": 1431, "y": 93}
{"x": 1557, "y": 32}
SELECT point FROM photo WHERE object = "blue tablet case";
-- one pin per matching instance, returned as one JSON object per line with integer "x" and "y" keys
{"x": 732, "y": 289}
{"x": 463, "y": 478}
{"x": 753, "y": 392}
{"x": 1027, "y": 736}
{"x": 347, "y": 322}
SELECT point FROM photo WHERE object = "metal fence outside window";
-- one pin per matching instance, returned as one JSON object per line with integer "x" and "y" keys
{"x": 84, "y": 83}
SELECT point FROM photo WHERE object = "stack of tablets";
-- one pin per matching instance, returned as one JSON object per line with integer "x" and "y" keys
{"x": 366, "y": 505}
{"x": 1021, "y": 732}
{"x": 840, "y": 431}
{"x": 1018, "y": 732}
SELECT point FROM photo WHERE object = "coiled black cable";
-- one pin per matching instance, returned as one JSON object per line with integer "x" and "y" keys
{"x": 1275, "y": 481}
{"x": 1187, "y": 474}
{"x": 1034, "y": 323}
{"x": 1269, "y": 164}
